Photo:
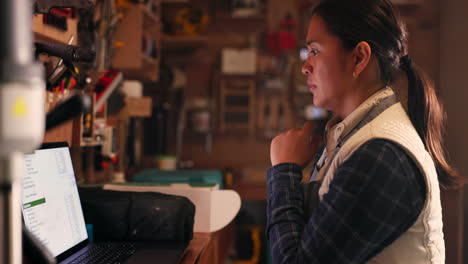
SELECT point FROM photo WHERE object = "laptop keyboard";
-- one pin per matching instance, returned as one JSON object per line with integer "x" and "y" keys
{"x": 105, "y": 254}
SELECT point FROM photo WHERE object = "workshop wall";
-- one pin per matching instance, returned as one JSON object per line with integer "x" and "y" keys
{"x": 202, "y": 66}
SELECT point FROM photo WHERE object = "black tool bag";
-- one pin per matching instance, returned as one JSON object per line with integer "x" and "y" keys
{"x": 137, "y": 216}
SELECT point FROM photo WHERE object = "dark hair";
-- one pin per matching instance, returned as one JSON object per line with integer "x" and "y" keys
{"x": 375, "y": 22}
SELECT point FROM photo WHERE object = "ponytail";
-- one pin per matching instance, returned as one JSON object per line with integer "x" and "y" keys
{"x": 427, "y": 114}
{"x": 375, "y": 22}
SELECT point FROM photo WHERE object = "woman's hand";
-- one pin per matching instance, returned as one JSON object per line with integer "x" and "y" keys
{"x": 294, "y": 146}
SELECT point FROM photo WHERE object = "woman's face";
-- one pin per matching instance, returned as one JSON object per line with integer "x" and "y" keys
{"x": 329, "y": 67}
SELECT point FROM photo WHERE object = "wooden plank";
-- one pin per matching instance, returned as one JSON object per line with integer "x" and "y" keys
{"x": 138, "y": 107}
{"x": 129, "y": 33}
{"x": 60, "y": 133}
{"x": 176, "y": 1}
{"x": 274, "y": 113}
{"x": 237, "y": 109}
{"x": 407, "y": 2}
{"x": 47, "y": 33}
{"x": 222, "y": 103}
{"x": 196, "y": 247}
{"x": 261, "y": 112}
{"x": 252, "y": 108}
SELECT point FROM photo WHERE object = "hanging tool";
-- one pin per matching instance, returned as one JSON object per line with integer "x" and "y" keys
{"x": 44, "y": 6}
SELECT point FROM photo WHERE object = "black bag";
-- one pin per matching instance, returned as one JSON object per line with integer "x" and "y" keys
{"x": 137, "y": 216}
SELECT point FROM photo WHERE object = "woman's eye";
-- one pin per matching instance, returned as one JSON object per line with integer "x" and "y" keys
{"x": 314, "y": 52}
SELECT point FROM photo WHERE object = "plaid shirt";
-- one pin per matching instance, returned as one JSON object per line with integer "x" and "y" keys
{"x": 374, "y": 197}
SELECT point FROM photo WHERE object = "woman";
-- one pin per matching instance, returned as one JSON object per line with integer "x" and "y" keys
{"x": 380, "y": 168}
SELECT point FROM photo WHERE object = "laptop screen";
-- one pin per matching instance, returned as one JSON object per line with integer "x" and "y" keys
{"x": 51, "y": 205}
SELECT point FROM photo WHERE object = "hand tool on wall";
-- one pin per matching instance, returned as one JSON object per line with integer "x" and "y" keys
{"x": 69, "y": 54}
{"x": 66, "y": 52}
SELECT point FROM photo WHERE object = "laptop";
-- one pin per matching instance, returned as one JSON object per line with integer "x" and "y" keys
{"x": 52, "y": 212}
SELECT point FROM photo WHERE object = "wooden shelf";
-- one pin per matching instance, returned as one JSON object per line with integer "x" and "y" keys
{"x": 129, "y": 32}
{"x": 241, "y": 25}
{"x": 148, "y": 71}
{"x": 173, "y": 42}
{"x": 138, "y": 21}
{"x": 92, "y": 143}
{"x": 237, "y": 109}
{"x": 228, "y": 16}
{"x": 183, "y": 39}
{"x": 176, "y": 1}
{"x": 47, "y": 33}
{"x": 407, "y": 2}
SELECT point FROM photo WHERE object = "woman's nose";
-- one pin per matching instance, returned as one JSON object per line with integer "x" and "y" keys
{"x": 306, "y": 68}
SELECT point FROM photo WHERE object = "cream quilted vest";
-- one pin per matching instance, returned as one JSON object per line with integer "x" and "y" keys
{"x": 424, "y": 241}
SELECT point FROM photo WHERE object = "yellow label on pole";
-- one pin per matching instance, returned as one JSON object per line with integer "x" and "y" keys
{"x": 19, "y": 107}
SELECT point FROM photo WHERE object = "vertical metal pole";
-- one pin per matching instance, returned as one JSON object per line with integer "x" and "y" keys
{"x": 21, "y": 117}
{"x": 10, "y": 200}
{"x": 16, "y": 33}
{"x": 15, "y": 49}
{"x": 15, "y": 40}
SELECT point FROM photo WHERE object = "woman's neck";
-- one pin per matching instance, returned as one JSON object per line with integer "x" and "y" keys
{"x": 357, "y": 96}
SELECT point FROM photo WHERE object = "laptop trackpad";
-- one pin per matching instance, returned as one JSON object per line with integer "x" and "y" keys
{"x": 169, "y": 256}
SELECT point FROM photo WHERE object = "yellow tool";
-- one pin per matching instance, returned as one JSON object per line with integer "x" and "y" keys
{"x": 190, "y": 22}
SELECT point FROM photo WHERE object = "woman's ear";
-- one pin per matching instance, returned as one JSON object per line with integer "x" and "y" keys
{"x": 362, "y": 55}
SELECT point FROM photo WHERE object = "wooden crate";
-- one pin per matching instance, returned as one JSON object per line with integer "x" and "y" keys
{"x": 274, "y": 114}
{"x": 237, "y": 104}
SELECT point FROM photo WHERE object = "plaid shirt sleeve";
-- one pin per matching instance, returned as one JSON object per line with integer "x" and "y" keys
{"x": 375, "y": 196}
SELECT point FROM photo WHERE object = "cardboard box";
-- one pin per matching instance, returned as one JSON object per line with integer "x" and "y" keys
{"x": 139, "y": 106}
{"x": 239, "y": 61}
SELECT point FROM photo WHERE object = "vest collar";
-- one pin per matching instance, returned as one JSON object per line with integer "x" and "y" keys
{"x": 337, "y": 130}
